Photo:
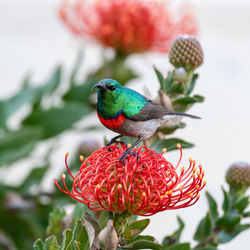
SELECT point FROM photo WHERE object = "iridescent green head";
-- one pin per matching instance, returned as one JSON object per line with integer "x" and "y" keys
{"x": 107, "y": 85}
{"x": 108, "y": 89}
{"x": 110, "y": 97}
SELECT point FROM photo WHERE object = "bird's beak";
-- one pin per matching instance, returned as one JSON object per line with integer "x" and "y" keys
{"x": 100, "y": 86}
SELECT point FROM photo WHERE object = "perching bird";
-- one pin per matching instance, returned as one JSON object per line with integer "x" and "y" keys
{"x": 129, "y": 113}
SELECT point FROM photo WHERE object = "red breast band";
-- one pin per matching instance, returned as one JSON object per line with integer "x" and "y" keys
{"x": 113, "y": 122}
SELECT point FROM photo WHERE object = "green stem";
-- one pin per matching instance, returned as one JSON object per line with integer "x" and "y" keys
{"x": 121, "y": 222}
{"x": 189, "y": 79}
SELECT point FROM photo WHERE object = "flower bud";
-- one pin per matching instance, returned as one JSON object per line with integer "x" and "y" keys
{"x": 108, "y": 237}
{"x": 88, "y": 146}
{"x": 238, "y": 174}
{"x": 180, "y": 74}
{"x": 164, "y": 100}
{"x": 186, "y": 52}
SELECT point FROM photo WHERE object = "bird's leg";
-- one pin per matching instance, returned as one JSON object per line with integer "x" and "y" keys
{"x": 127, "y": 151}
{"x": 114, "y": 139}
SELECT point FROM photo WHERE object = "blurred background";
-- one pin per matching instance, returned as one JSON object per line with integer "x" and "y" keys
{"x": 34, "y": 40}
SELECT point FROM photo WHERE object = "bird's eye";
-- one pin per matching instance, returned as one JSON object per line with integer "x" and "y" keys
{"x": 111, "y": 88}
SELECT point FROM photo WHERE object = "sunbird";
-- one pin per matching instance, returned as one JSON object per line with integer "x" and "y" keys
{"x": 129, "y": 113}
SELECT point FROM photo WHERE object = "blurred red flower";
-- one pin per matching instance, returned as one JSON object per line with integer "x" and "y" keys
{"x": 128, "y": 26}
{"x": 144, "y": 185}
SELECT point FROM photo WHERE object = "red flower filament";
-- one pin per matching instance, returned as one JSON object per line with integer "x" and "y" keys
{"x": 127, "y": 25}
{"x": 144, "y": 185}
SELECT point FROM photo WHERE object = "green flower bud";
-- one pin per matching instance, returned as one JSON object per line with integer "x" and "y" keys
{"x": 238, "y": 175}
{"x": 186, "y": 52}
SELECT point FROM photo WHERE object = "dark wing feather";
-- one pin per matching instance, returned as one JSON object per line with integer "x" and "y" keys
{"x": 149, "y": 111}
{"x": 154, "y": 111}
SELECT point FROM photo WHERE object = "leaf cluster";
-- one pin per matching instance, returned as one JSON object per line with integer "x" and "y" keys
{"x": 47, "y": 111}
{"x": 215, "y": 228}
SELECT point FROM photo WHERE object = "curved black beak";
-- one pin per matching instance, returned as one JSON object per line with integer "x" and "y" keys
{"x": 99, "y": 86}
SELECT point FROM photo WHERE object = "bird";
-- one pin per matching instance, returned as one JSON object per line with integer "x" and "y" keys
{"x": 129, "y": 113}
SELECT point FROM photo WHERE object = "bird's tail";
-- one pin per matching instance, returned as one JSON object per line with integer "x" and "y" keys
{"x": 182, "y": 114}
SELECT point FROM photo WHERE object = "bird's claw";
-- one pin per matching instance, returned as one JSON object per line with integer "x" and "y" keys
{"x": 114, "y": 140}
{"x": 111, "y": 142}
{"x": 124, "y": 156}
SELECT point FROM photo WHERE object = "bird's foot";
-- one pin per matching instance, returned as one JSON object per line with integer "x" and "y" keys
{"x": 125, "y": 154}
{"x": 114, "y": 140}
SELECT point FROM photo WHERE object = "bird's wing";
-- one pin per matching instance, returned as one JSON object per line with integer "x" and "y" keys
{"x": 140, "y": 108}
{"x": 149, "y": 111}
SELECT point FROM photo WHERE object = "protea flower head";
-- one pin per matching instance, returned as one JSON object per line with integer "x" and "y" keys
{"x": 186, "y": 52}
{"x": 128, "y": 26}
{"x": 146, "y": 184}
{"x": 238, "y": 174}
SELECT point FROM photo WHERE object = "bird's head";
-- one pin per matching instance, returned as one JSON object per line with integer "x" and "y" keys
{"x": 108, "y": 89}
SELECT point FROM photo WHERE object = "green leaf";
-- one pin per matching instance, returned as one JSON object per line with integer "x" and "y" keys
{"x": 38, "y": 245}
{"x": 212, "y": 206}
{"x": 56, "y": 222}
{"x": 143, "y": 244}
{"x": 78, "y": 212}
{"x": 175, "y": 237}
{"x": 224, "y": 237}
{"x": 170, "y": 130}
{"x": 226, "y": 205}
{"x": 135, "y": 228}
{"x": 205, "y": 228}
{"x": 18, "y": 144}
{"x": 92, "y": 229}
{"x": 10, "y": 156}
{"x": 180, "y": 246}
{"x": 180, "y": 229}
{"x": 169, "y": 81}
{"x": 199, "y": 98}
{"x": 56, "y": 120}
{"x": 28, "y": 95}
{"x": 241, "y": 204}
{"x": 208, "y": 248}
{"x": 160, "y": 78}
{"x": 228, "y": 221}
{"x": 76, "y": 68}
{"x": 66, "y": 239}
{"x": 79, "y": 93}
{"x": 177, "y": 87}
{"x": 192, "y": 84}
{"x": 246, "y": 214}
{"x": 53, "y": 82}
{"x": 188, "y": 100}
{"x": 141, "y": 237}
{"x": 34, "y": 178}
{"x": 80, "y": 236}
{"x": 170, "y": 144}
{"x": 51, "y": 243}
{"x": 19, "y": 138}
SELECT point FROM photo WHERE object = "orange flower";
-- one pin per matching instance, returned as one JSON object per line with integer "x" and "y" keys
{"x": 146, "y": 184}
{"x": 128, "y": 26}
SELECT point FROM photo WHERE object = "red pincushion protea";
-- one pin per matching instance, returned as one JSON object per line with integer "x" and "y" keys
{"x": 127, "y": 26}
{"x": 146, "y": 184}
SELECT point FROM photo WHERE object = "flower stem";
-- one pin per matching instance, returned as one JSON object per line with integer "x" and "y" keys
{"x": 121, "y": 222}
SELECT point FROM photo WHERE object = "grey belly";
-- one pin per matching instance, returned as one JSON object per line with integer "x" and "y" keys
{"x": 143, "y": 129}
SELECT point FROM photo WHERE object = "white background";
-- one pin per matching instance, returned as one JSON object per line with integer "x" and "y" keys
{"x": 32, "y": 39}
